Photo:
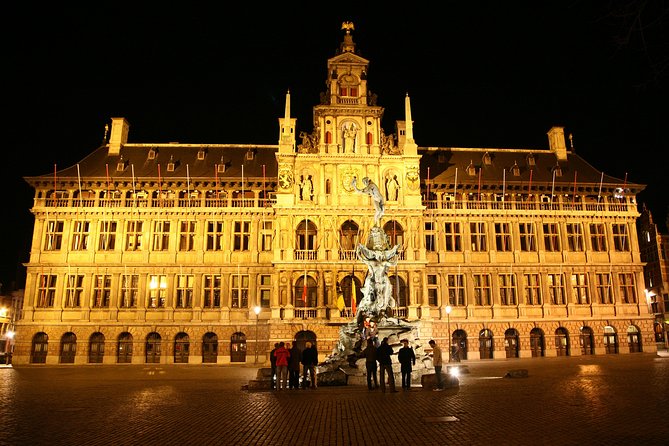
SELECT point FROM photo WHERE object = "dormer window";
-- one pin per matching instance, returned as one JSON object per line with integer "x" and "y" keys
{"x": 171, "y": 164}
{"x": 515, "y": 170}
{"x": 201, "y": 154}
{"x": 250, "y": 154}
{"x": 153, "y": 153}
{"x": 557, "y": 170}
{"x": 121, "y": 165}
{"x": 531, "y": 161}
{"x": 487, "y": 159}
{"x": 471, "y": 169}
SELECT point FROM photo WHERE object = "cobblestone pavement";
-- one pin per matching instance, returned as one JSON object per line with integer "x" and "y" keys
{"x": 602, "y": 400}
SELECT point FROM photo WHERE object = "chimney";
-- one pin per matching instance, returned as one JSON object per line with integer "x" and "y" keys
{"x": 557, "y": 143}
{"x": 119, "y": 135}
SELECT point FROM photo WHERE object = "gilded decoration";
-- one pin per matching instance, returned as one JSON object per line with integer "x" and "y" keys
{"x": 347, "y": 178}
{"x": 285, "y": 177}
{"x": 412, "y": 177}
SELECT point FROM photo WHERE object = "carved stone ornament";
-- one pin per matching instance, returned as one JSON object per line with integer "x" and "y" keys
{"x": 347, "y": 178}
{"x": 285, "y": 177}
{"x": 412, "y": 177}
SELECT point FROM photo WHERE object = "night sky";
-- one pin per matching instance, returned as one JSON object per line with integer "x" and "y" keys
{"x": 479, "y": 74}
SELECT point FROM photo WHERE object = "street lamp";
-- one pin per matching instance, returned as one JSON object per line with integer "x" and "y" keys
{"x": 256, "y": 310}
{"x": 448, "y": 315}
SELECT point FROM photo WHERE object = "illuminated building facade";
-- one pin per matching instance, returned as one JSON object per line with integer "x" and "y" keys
{"x": 160, "y": 253}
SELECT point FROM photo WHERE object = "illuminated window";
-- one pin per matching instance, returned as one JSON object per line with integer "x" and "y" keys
{"x": 579, "y": 289}
{"x": 54, "y": 235}
{"x": 107, "y": 237}
{"x": 455, "y": 285}
{"x": 187, "y": 235}
{"x": 620, "y": 237}
{"x": 240, "y": 291}
{"x": 74, "y": 290}
{"x": 133, "y": 235}
{"x": 507, "y": 289}
{"x": 556, "y": 289}
{"x": 80, "y": 234}
{"x": 46, "y": 290}
{"x": 478, "y": 237}
{"x": 157, "y": 291}
{"x": 432, "y": 290}
{"x": 532, "y": 289}
{"x": 129, "y": 290}
{"x": 265, "y": 290}
{"x": 482, "y": 291}
{"x": 185, "y": 290}
{"x": 101, "y": 290}
{"x": 603, "y": 287}
{"x": 161, "y": 235}
{"x": 212, "y": 291}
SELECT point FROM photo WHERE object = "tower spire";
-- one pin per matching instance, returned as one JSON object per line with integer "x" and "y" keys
{"x": 409, "y": 122}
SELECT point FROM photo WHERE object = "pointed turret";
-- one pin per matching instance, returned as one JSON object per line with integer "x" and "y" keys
{"x": 287, "y": 130}
{"x": 410, "y": 147}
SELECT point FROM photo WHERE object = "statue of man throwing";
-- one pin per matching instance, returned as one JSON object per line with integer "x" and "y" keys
{"x": 373, "y": 191}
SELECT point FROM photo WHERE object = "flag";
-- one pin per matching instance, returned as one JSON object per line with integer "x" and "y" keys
{"x": 341, "y": 304}
{"x": 304, "y": 293}
{"x": 353, "y": 296}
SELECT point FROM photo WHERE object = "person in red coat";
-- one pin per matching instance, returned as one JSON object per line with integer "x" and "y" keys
{"x": 282, "y": 355}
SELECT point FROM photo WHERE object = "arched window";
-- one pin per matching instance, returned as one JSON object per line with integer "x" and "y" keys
{"x": 305, "y": 296}
{"x": 238, "y": 347}
{"x": 634, "y": 339}
{"x": 460, "y": 343}
{"x": 153, "y": 349}
{"x": 537, "y": 342}
{"x": 399, "y": 291}
{"x": 562, "y": 342}
{"x": 124, "y": 348}
{"x": 96, "y": 348}
{"x": 39, "y": 348}
{"x": 511, "y": 343}
{"x": 181, "y": 348}
{"x": 610, "y": 340}
{"x": 306, "y": 236}
{"x": 209, "y": 348}
{"x": 347, "y": 289}
{"x": 587, "y": 341}
{"x": 485, "y": 344}
{"x": 68, "y": 348}
{"x": 328, "y": 137}
{"x": 349, "y": 236}
{"x": 395, "y": 233}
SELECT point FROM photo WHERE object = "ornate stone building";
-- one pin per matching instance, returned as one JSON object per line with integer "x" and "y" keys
{"x": 162, "y": 253}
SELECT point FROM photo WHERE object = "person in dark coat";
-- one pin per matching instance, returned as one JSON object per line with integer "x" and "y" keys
{"x": 407, "y": 358}
{"x": 272, "y": 361}
{"x": 294, "y": 365}
{"x": 384, "y": 356}
{"x": 309, "y": 362}
{"x": 369, "y": 353}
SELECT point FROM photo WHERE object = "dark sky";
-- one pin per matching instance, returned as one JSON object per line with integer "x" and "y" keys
{"x": 479, "y": 74}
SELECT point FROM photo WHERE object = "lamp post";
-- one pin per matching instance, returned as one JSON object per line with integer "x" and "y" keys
{"x": 256, "y": 310}
{"x": 448, "y": 315}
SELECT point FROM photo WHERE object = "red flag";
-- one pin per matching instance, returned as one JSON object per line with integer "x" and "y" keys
{"x": 353, "y": 297}
{"x": 304, "y": 294}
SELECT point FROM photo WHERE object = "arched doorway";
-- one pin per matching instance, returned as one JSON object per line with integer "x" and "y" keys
{"x": 181, "y": 348}
{"x": 124, "y": 348}
{"x": 634, "y": 339}
{"x": 460, "y": 343}
{"x": 537, "y": 343}
{"x": 209, "y": 348}
{"x": 511, "y": 343}
{"x": 485, "y": 344}
{"x": 39, "y": 348}
{"x": 153, "y": 349}
{"x": 96, "y": 348}
{"x": 304, "y": 336}
{"x": 587, "y": 341}
{"x": 68, "y": 348}
{"x": 562, "y": 342}
{"x": 610, "y": 340}
{"x": 238, "y": 347}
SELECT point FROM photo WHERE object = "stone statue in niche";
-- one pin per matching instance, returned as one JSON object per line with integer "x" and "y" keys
{"x": 392, "y": 187}
{"x": 350, "y": 134}
{"x": 306, "y": 188}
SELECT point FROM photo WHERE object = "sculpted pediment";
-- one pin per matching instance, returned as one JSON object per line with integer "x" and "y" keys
{"x": 348, "y": 58}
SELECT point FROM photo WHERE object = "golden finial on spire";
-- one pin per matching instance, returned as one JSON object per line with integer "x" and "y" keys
{"x": 348, "y": 26}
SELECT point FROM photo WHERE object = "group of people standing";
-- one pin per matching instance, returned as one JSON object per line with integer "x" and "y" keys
{"x": 286, "y": 361}
{"x": 383, "y": 355}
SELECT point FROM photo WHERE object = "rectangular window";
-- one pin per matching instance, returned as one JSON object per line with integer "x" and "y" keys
{"x": 430, "y": 244}
{"x": 133, "y": 235}
{"x": 101, "y": 290}
{"x": 453, "y": 237}
{"x": 240, "y": 291}
{"x": 129, "y": 290}
{"x": 54, "y": 235}
{"x": 478, "y": 238}
{"x": 456, "y": 289}
{"x": 603, "y": 288}
{"x": 507, "y": 289}
{"x": 266, "y": 235}
{"x": 532, "y": 289}
{"x": 161, "y": 235}
{"x": 432, "y": 290}
{"x": 556, "y": 288}
{"x": 597, "y": 237}
{"x": 551, "y": 237}
{"x": 482, "y": 289}
{"x": 214, "y": 236}
{"x": 187, "y": 235}
{"x": 241, "y": 236}
{"x": 46, "y": 290}
{"x": 575, "y": 237}
{"x": 579, "y": 289}
{"x": 503, "y": 237}
{"x": 620, "y": 237}
{"x": 74, "y": 290}
{"x": 157, "y": 291}
{"x": 80, "y": 234}
{"x": 185, "y": 290}
{"x": 627, "y": 288}
{"x": 107, "y": 239}
{"x": 528, "y": 240}
{"x": 265, "y": 290}
{"x": 212, "y": 291}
